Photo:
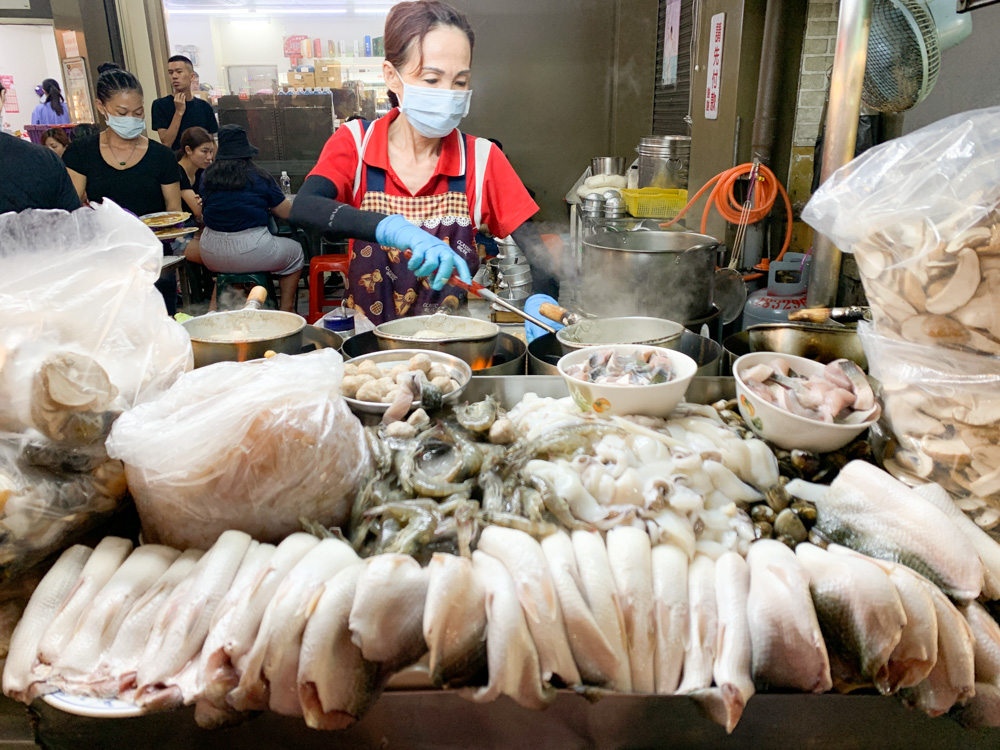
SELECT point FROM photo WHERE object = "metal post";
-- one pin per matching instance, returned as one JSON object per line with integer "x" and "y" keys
{"x": 840, "y": 135}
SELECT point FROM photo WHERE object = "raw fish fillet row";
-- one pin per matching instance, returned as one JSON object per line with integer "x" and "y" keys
{"x": 631, "y": 565}
{"x": 987, "y": 634}
{"x": 454, "y": 620}
{"x": 703, "y": 626}
{"x": 670, "y": 597}
{"x": 53, "y": 590}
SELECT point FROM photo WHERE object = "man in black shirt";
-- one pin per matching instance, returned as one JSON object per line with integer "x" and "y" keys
{"x": 32, "y": 176}
{"x": 174, "y": 114}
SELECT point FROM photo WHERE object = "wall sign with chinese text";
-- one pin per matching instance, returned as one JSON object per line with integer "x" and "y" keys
{"x": 714, "y": 82}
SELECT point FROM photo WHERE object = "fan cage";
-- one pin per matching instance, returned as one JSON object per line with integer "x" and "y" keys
{"x": 903, "y": 56}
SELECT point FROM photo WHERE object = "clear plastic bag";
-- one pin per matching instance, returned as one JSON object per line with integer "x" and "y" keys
{"x": 253, "y": 446}
{"x": 944, "y": 413}
{"x": 84, "y": 335}
{"x": 921, "y": 213}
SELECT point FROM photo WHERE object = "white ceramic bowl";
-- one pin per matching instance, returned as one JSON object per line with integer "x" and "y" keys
{"x": 657, "y": 400}
{"x": 784, "y": 429}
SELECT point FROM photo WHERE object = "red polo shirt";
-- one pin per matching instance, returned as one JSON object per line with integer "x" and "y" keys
{"x": 506, "y": 203}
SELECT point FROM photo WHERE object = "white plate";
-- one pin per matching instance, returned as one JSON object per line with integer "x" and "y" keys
{"x": 392, "y": 357}
{"x": 95, "y": 708}
{"x": 172, "y": 234}
{"x": 165, "y": 218}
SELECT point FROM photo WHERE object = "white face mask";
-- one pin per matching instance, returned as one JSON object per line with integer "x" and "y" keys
{"x": 434, "y": 112}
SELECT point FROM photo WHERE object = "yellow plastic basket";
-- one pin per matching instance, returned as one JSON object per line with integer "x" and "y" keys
{"x": 655, "y": 203}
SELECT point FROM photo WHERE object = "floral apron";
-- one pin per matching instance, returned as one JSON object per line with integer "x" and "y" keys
{"x": 379, "y": 284}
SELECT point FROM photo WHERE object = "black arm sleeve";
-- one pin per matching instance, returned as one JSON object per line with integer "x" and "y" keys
{"x": 316, "y": 207}
{"x": 544, "y": 274}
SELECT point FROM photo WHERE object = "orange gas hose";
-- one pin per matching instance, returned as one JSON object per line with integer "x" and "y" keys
{"x": 723, "y": 197}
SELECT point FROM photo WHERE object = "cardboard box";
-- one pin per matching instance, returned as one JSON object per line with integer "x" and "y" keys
{"x": 328, "y": 74}
{"x": 302, "y": 80}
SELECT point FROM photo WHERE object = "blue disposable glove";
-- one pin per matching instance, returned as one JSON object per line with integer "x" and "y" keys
{"x": 531, "y": 305}
{"x": 427, "y": 251}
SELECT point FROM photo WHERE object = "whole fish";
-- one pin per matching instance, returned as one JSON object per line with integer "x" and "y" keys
{"x": 703, "y": 626}
{"x": 987, "y": 634}
{"x": 632, "y": 568}
{"x": 605, "y": 604}
{"x": 454, "y": 620}
{"x": 100, "y": 623}
{"x": 237, "y": 619}
{"x": 916, "y": 654}
{"x": 596, "y": 660}
{"x": 788, "y": 646}
{"x": 670, "y": 613}
{"x": 731, "y": 670}
{"x": 514, "y": 666}
{"x": 180, "y": 631}
{"x": 525, "y": 561}
{"x": 985, "y": 546}
{"x": 58, "y": 584}
{"x": 869, "y": 511}
{"x": 336, "y": 685}
{"x": 108, "y": 556}
{"x": 388, "y": 614}
{"x": 270, "y": 677}
{"x": 953, "y": 678}
{"x": 859, "y": 612}
{"x": 116, "y": 674}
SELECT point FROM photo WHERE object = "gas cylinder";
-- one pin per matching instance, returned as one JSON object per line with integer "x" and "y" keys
{"x": 786, "y": 291}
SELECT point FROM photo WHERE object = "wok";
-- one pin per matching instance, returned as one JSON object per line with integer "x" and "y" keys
{"x": 469, "y": 339}
{"x": 819, "y": 342}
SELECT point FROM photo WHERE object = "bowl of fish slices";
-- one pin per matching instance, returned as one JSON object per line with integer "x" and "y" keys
{"x": 627, "y": 379}
{"x": 796, "y": 402}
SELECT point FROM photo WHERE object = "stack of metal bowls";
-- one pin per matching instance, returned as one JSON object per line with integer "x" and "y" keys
{"x": 511, "y": 273}
{"x": 663, "y": 161}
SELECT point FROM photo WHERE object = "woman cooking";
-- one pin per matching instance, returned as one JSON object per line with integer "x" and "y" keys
{"x": 411, "y": 181}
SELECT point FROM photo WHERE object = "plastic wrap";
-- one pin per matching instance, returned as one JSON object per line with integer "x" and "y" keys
{"x": 921, "y": 213}
{"x": 253, "y": 446}
{"x": 84, "y": 335}
{"x": 944, "y": 412}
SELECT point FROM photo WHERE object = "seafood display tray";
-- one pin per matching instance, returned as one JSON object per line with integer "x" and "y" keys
{"x": 425, "y": 719}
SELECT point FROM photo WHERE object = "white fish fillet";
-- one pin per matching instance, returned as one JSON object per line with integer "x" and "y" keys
{"x": 237, "y": 619}
{"x": 179, "y": 632}
{"x": 631, "y": 562}
{"x": 454, "y": 620}
{"x": 525, "y": 561}
{"x": 596, "y": 660}
{"x": 270, "y": 677}
{"x": 670, "y": 597}
{"x": 703, "y": 626}
{"x": 115, "y": 675}
{"x": 514, "y": 667}
{"x": 953, "y": 678}
{"x": 602, "y": 597}
{"x": 107, "y": 558}
{"x": 387, "y": 618}
{"x": 987, "y": 549}
{"x": 859, "y": 611}
{"x": 100, "y": 623}
{"x": 788, "y": 647}
{"x": 57, "y": 585}
{"x": 987, "y": 635}
{"x": 336, "y": 684}
{"x": 869, "y": 511}
{"x": 913, "y": 659}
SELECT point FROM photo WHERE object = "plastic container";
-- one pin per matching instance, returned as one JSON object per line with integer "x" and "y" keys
{"x": 341, "y": 320}
{"x": 286, "y": 184}
{"x": 773, "y": 304}
{"x": 654, "y": 203}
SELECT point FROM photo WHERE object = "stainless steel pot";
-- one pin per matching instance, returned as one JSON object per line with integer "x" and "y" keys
{"x": 471, "y": 340}
{"x": 545, "y": 351}
{"x": 241, "y": 335}
{"x": 663, "y": 161}
{"x": 607, "y": 165}
{"x": 656, "y": 274}
{"x": 604, "y": 331}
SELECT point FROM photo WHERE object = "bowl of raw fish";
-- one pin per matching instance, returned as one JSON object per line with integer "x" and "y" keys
{"x": 785, "y": 429}
{"x": 606, "y": 397}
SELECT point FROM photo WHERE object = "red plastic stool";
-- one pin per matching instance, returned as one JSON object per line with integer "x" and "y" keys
{"x": 317, "y": 267}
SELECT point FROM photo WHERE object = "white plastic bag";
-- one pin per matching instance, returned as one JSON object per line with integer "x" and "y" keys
{"x": 253, "y": 446}
{"x": 921, "y": 213}
{"x": 84, "y": 335}
{"x": 944, "y": 412}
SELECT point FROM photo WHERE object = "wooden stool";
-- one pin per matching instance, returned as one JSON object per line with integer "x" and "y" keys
{"x": 317, "y": 267}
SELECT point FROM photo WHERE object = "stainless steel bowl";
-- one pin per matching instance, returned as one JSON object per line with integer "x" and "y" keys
{"x": 632, "y": 330}
{"x": 471, "y": 340}
{"x": 516, "y": 297}
{"x": 607, "y": 165}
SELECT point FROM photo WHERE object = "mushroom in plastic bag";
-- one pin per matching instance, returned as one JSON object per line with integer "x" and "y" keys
{"x": 253, "y": 446}
{"x": 84, "y": 336}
